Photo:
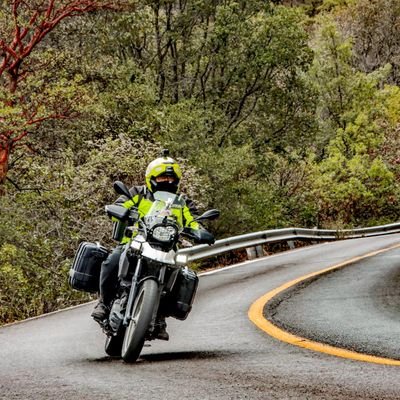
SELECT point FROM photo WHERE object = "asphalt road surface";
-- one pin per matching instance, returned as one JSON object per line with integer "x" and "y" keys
{"x": 218, "y": 353}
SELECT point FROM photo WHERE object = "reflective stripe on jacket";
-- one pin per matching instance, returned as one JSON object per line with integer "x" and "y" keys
{"x": 143, "y": 199}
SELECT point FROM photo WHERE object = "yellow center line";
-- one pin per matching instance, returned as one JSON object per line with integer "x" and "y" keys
{"x": 256, "y": 315}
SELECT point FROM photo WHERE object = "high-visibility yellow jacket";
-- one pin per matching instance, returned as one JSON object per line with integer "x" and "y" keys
{"x": 142, "y": 198}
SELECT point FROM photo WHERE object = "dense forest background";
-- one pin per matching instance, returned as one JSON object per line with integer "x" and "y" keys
{"x": 281, "y": 113}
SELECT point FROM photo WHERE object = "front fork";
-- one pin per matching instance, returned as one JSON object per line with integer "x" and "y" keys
{"x": 161, "y": 280}
{"x": 133, "y": 291}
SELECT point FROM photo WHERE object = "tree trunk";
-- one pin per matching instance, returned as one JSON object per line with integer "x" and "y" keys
{"x": 4, "y": 154}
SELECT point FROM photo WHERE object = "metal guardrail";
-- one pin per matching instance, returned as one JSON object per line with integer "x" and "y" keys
{"x": 281, "y": 235}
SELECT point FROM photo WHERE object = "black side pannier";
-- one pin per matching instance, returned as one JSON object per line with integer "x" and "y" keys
{"x": 85, "y": 271}
{"x": 183, "y": 293}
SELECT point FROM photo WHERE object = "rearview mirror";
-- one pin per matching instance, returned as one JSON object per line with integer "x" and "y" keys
{"x": 121, "y": 188}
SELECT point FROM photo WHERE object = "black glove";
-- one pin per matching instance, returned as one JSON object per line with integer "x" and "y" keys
{"x": 200, "y": 236}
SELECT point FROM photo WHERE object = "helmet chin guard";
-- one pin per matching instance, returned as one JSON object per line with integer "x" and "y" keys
{"x": 163, "y": 166}
{"x": 171, "y": 187}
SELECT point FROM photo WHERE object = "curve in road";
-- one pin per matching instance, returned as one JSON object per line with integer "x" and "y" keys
{"x": 258, "y": 314}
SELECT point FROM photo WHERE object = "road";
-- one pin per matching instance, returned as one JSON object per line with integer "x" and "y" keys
{"x": 218, "y": 353}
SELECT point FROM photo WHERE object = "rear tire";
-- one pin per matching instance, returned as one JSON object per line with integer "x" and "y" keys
{"x": 142, "y": 314}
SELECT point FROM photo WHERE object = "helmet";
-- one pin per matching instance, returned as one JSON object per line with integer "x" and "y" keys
{"x": 163, "y": 166}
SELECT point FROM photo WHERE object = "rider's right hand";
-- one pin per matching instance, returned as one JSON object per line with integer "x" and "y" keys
{"x": 200, "y": 236}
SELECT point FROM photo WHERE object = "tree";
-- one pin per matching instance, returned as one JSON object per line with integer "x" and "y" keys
{"x": 225, "y": 77}
{"x": 235, "y": 61}
{"x": 373, "y": 26}
{"x": 354, "y": 182}
{"x": 29, "y": 96}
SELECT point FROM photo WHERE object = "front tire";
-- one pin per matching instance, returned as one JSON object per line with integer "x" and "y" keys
{"x": 142, "y": 315}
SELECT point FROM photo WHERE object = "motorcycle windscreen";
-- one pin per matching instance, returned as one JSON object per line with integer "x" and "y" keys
{"x": 166, "y": 205}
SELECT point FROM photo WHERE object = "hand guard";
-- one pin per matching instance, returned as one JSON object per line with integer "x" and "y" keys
{"x": 200, "y": 236}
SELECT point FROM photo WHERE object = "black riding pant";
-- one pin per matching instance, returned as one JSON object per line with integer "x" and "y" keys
{"x": 109, "y": 275}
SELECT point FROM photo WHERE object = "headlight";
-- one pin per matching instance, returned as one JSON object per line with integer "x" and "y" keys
{"x": 164, "y": 233}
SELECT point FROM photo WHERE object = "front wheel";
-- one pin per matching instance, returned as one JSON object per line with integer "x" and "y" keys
{"x": 142, "y": 315}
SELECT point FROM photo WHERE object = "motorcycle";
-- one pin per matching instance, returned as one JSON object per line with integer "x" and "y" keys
{"x": 154, "y": 280}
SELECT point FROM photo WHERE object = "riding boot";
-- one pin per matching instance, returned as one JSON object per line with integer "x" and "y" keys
{"x": 108, "y": 284}
{"x": 161, "y": 329}
{"x": 100, "y": 312}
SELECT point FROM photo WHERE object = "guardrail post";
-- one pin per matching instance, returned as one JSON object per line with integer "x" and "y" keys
{"x": 291, "y": 244}
{"x": 254, "y": 252}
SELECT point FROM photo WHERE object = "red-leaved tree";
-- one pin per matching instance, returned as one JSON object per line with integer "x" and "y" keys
{"x": 24, "y": 24}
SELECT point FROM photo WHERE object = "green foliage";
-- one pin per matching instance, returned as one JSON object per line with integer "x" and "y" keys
{"x": 362, "y": 190}
{"x": 233, "y": 65}
{"x": 334, "y": 5}
{"x": 353, "y": 108}
{"x": 33, "y": 262}
{"x": 257, "y": 192}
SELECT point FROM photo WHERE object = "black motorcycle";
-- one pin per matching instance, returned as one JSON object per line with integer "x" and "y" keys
{"x": 154, "y": 281}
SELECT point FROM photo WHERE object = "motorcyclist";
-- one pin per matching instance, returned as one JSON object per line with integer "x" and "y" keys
{"x": 162, "y": 174}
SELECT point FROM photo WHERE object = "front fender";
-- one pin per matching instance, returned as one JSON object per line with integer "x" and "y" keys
{"x": 146, "y": 278}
